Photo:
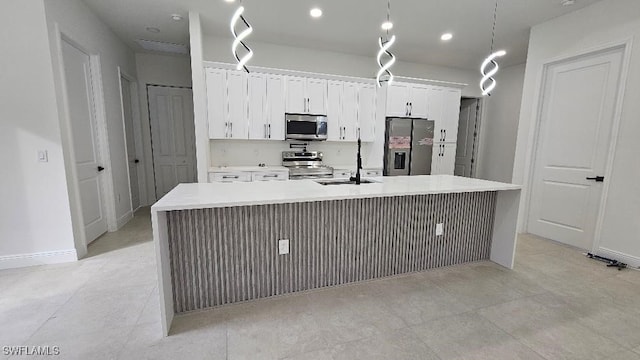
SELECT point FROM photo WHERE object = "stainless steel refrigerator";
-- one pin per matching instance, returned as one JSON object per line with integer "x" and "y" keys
{"x": 408, "y": 146}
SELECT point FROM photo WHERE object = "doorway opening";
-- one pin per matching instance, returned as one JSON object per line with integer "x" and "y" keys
{"x": 133, "y": 139}
{"x": 468, "y": 135}
{"x": 172, "y": 136}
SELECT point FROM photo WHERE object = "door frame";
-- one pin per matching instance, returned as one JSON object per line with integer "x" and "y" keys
{"x": 153, "y": 164}
{"x": 137, "y": 135}
{"x": 625, "y": 46}
{"x": 102, "y": 139}
{"x": 478, "y": 129}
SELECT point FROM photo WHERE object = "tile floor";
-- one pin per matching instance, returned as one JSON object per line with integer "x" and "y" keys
{"x": 555, "y": 305}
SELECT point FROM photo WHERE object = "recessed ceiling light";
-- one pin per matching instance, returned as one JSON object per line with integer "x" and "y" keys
{"x": 501, "y": 53}
{"x": 315, "y": 12}
{"x": 446, "y": 36}
{"x": 176, "y": 17}
{"x": 154, "y": 30}
{"x": 230, "y": 0}
{"x": 568, "y": 2}
{"x": 387, "y": 25}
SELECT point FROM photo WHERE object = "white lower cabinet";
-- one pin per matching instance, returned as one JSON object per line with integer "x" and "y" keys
{"x": 270, "y": 175}
{"x": 444, "y": 159}
{"x": 248, "y": 174}
{"x": 342, "y": 173}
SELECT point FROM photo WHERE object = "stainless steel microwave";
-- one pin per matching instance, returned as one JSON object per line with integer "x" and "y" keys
{"x": 306, "y": 127}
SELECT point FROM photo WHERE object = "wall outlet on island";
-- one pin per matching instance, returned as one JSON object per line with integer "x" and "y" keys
{"x": 283, "y": 247}
{"x": 439, "y": 229}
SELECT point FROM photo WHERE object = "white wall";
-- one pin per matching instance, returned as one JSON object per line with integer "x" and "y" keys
{"x": 602, "y": 23}
{"x": 35, "y": 214}
{"x": 157, "y": 69}
{"x": 76, "y": 21}
{"x": 302, "y": 59}
{"x": 499, "y": 126}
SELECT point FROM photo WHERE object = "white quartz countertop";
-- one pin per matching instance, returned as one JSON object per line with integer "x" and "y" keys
{"x": 211, "y": 195}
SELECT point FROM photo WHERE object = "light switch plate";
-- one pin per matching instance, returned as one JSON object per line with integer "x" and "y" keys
{"x": 283, "y": 247}
{"x": 439, "y": 229}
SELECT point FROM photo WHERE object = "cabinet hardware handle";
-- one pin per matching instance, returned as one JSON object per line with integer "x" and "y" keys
{"x": 100, "y": 169}
{"x": 229, "y": 176}
{"x": 410, "y": 109}
{"x": 269, "y": 127}
{"x": 308, "y": 105}
{"x": 596, "y": 178}
{"x": 406, "y": 109}
{"x": 265, "y": 131}
{"x": 226, "y": 129}
{"x": 445, "y": 135}
{"x": 230, "y": 129}
{"x": 270, "y": 175}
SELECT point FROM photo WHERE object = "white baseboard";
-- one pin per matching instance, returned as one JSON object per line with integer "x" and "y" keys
{"x": 632, "y": 261}
{"x": 124, "y": 219}
{"x": 41, "y": 258}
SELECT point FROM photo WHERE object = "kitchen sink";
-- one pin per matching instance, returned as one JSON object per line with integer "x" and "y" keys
{"x": 344, "y": 182}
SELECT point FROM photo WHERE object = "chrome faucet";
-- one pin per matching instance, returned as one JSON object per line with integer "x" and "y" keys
{"x": 359, "y": 165}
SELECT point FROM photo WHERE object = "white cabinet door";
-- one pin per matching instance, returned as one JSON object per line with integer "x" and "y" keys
{"x": 367, "y": 113}
{"x": 419, "y": 102}
{"x": 237, "y": 92}
{"x": 316, "y": 96}
{"x": 257, "y": 105}
{"x": 444, "y": 159}
{"x": 434, "y": 100}
{"x": 334, "y": 110}
{"x": 275, "y": 107}
{"x": 296, "y": 95}
{"x": 398, "y": 95}
{"x": 349, "y": 118}
{"x": 450, "y": 114}
{"x": 216, "y": 103}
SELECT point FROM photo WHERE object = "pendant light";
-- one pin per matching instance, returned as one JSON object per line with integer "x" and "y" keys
{"x": 238, "y": 39}
{"x": 488, "y": 83}
{"x": 384, "y": 73}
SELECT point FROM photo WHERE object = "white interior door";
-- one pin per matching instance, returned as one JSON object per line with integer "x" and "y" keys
{"x": 467, "y": 135}
{"x": 573, "y": 144}
{"x": 132, "y": 156}
{"x": 172, "y": 136}
{"x": 80, "y": 98}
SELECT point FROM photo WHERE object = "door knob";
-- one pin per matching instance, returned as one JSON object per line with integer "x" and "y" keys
{"x": 136, "y": 161}
{"x": 596, "y": 178}
{"x": 100, "y": 168}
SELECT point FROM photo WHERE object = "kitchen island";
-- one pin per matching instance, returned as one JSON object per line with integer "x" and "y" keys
{"x": 218, "y": 244}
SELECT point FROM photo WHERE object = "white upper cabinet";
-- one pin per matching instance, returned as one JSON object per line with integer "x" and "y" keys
{"x": 266, "y": 107}
{"x": 351, "y": 111}
{"x": 407, "y": 100}
{"x": 306, "y": 96}
{"x": 367, "y": 113}
{"x": 446, "y": 123}
{"x": 275, "y": 107}
{"x": 257, "y": 105}
{"x": 217, "y": 103}
{"x": 398, "y": 95}
{"x": 334, "y": 110}
{"x": 238, "y": 127}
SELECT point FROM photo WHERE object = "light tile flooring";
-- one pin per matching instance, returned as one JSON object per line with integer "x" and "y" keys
{"x": 555, "y": 305}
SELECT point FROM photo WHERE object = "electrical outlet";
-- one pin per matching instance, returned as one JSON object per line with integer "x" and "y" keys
{"x": 439, "y": 229}
{"x": 283, "y": 247}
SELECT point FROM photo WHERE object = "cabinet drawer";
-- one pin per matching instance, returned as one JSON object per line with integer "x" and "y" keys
{"x": 237, "y": 176}
{"x": 371, "y": 172}
{"x": 342, "y": 174}
{"x": 270, "y": 175}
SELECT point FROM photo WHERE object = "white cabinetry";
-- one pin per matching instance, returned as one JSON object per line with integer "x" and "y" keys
{"x": 306, "y": 95}
{"x": 447, "y": 115}
{"x": 407, "y": 100}
{"x": 351, "y": 111}
{"x": 444, "y": 159}
{"x": 248, "y": 174}
{"x": 266, "y": 107}
{"x": 226, "y": 104}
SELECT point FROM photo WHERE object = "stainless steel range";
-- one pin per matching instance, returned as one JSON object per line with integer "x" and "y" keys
{"x": 306, "y": 165}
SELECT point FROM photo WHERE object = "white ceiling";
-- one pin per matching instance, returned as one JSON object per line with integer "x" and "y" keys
{"x": 350, "y": 26}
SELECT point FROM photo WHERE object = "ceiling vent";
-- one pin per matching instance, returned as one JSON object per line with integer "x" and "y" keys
{"x": 163, "y": 47}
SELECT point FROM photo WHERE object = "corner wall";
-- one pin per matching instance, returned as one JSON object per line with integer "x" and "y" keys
{"x": 499, "y": 126}
{"x": 76, "y": 21}
{"x": 601, "y": 24}
{"x": 35, "y": 215}
{"x": 156, "y": 69}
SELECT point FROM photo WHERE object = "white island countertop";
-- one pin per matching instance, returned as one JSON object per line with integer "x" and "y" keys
{"x": 212, "y": 195}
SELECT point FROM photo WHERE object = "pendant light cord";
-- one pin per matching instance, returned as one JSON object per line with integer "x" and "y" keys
{"x": 388, "y": 16}
{"x": 493, "y": 32}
